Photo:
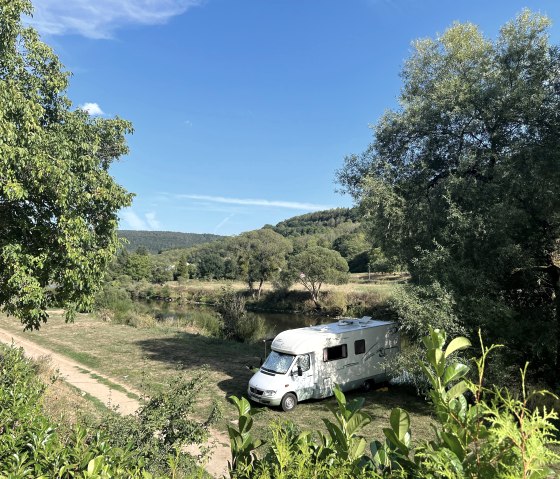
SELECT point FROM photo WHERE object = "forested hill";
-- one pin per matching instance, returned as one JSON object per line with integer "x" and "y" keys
{"x": 156, "y": 241}
{"x": 317, "y": 222}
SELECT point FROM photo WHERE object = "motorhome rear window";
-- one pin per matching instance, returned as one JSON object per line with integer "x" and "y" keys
{"x": 360, "y": 346}
{"x": 335, "y": 352}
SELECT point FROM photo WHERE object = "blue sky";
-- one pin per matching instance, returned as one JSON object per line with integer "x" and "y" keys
{"x": 244, "y": 109}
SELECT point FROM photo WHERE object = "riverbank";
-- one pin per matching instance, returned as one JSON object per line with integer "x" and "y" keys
{"x": 363, "y": 295}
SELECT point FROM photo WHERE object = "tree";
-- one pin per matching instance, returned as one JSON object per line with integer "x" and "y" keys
{"x": 210, "y": 264}
{"x": 317, "y": 265}
{"x": 462, "y": 183}
{"x": 354, "y": 248}
{"x": 138, "y": 266}
{"x": 261, "y": 256}
{"x": 182, "y": 269}
{"x": 58, "y": 202}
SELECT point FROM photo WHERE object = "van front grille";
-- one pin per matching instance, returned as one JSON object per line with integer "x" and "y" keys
{"x": 256, "y": 391}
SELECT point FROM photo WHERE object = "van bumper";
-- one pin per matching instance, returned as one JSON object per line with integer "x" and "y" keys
{"x": 256, "y": 395}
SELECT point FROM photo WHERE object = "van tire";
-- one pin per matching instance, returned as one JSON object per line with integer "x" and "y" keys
{"x": 368, "y": 385}
{"x": 289, "y": 402}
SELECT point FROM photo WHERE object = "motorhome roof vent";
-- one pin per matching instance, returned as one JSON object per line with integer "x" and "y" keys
{"x": 345, "y": 322}
{"x": 319, "y": 328}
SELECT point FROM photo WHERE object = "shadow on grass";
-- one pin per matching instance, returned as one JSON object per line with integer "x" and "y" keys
{"x": 188, "y": 352}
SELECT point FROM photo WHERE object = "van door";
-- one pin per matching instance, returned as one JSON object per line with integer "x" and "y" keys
{"x": 304, "y": 384}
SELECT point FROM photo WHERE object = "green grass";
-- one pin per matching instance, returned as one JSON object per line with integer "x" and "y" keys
{"x": 112, "y": 385}
{"x": 109, "y": 383}
{"x": 148, "y": 358}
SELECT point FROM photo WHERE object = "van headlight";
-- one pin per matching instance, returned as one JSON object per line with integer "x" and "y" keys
{"x": 269, "y": 393}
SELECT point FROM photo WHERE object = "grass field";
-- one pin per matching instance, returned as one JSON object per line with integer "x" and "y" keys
{"x": 148, "y": 358}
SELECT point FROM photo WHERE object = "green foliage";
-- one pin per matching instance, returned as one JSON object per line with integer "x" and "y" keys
{"x": 343, "y": 434}
{"x": 31, "y": 445}
{"x": 353, "y": 247}
{"x": 231, "y": 306}
{"x": 237, "y": 324}
{"x": 157, "y": 241}
{"x": 261, "y": 256}
{"x": 58, "y": 202}
{"x": 317, "y": 265}
{"x": 495, "y": 436}
{"x": 334, "y": 303}
{"x": 254, "y": 257}
{"x": 182, "y": 269}
{"x": 251, "y": 329}
{"x": 462, "y": 186}
{"x": 421, "y": 306}
{"x": 114, "y": 303}
{"x": 242, "y": 444}
{"x": 317, "y": 222}
{"x": 210, "y": 263}
{"x": 164, "y": 425}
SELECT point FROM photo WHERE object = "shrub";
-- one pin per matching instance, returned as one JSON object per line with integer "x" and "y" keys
{"x": 164, "y": 426}
{"x": 334, "y": 303}
{"x": 231, "y": 306}
{"x": 251, "y": 328}
{"x": 207, "y": 321}
{"x": 30, "y": 445}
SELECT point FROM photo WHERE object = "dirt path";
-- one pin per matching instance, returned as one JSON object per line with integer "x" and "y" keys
{"x": 75, "y": 374}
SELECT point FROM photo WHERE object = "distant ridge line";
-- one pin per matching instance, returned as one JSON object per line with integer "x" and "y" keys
{"x": 157, "y": 241}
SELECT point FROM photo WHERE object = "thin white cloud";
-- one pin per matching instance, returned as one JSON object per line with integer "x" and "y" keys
{"x": 257, "y": 202}
{"x": 101, "y": 18}
{"x": 223, "y": 222}
{"x": 132, "y": 220}
{"x": 92, "y": 108}
{"x": 153, "y": 223}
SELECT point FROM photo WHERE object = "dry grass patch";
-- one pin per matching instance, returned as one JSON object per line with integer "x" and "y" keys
{"x": 62, "y": 403}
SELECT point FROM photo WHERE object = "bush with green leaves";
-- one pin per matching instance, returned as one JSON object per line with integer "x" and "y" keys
{"x": 495, "y": 436}
{"x": 158, "y": 433}
{"x": 148, "y": 445}
{"x": 30, "y": 444}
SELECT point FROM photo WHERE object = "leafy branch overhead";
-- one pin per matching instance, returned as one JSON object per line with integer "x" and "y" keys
{"x": 58, "y": 202}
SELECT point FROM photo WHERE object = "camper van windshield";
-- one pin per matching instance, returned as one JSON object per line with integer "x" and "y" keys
{"x": 278, "y": 363}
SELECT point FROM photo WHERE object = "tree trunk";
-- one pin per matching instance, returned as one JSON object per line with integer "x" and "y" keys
{"x": 260, "y": 288}
{"x": 315, "y": 295}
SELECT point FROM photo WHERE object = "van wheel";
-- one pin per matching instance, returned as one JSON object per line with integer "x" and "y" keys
{"x": 367, "y": 386}
{"x": 289, "y": 402}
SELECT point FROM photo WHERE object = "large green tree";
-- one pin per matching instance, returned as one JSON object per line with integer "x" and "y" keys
{"x": 462, "y": 183}
{"x": 58, "y": 202}
{"x": 261, "y": 257}
{"x": 315, "y": 266}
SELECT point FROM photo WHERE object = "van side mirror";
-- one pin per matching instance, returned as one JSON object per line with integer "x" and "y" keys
{"x": 299, "y": 371}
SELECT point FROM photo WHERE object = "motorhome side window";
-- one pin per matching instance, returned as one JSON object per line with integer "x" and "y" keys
{"x": 360, "y": 346}
{"x": 304, "y": 362}
{"x": 335, "y": 352}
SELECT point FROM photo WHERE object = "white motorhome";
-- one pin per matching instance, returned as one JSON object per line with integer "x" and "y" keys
{"x": 307, "y": 362}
